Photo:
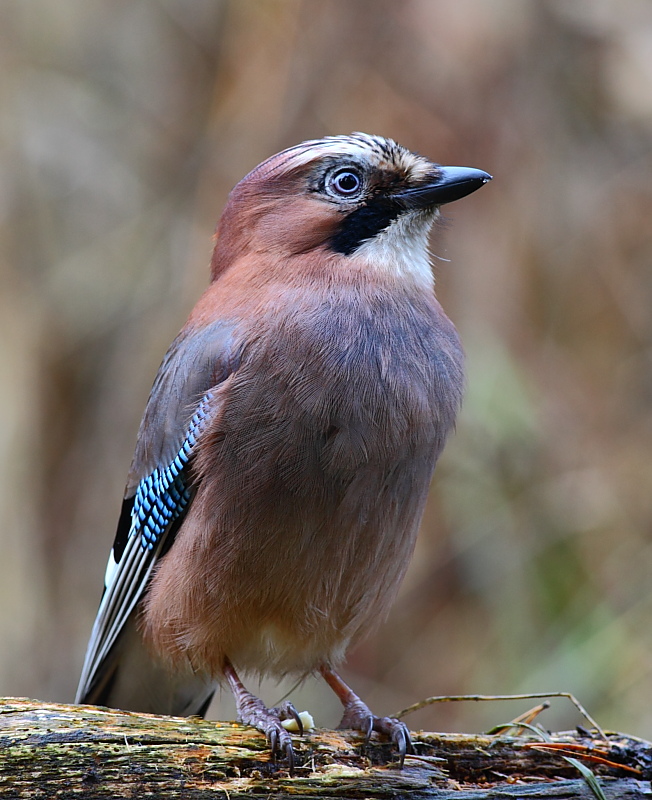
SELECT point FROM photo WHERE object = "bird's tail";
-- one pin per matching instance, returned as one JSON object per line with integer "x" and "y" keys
{"x": 132, "y": 679}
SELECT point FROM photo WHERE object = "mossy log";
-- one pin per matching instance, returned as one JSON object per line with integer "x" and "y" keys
{"x": 49, "y": 750}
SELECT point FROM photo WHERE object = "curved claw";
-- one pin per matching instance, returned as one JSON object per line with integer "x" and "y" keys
{"x": 402, "y": 749}
{"x": 403, "y": 741}
{"x": 370, "y": 729}
{"x": 287, "y": 710}
{"x": 295, "y": 716}
{"x": 289, "y": 754}
{"x": 272, "y": 739}
{"x": 280, "y": 742}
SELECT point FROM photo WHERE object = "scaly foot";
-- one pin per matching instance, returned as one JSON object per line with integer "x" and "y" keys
{"x": 358, "y": 716}
{"x": 252, "y": 711}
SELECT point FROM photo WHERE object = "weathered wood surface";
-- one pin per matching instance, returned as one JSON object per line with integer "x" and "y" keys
{"x": 58, "y": 751}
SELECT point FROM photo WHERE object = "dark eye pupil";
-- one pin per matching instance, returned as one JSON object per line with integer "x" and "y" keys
{"x": 346, "y": 182}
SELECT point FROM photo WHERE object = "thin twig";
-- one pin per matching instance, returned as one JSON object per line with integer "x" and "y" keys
{"x": 482, "y": 697}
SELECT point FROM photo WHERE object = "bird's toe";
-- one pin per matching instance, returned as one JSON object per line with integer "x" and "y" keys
{"x": 398, "y": 732}
{"x": 269, "y": 722}
{"x": 357, "y": 716}
{"x": 287, "y": 710}
{"x": 279, "y": 740}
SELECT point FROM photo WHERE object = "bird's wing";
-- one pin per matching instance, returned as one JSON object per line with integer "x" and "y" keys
{"x": 158, "y": 489}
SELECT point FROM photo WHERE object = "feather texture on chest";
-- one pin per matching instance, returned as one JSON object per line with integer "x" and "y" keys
{"x": 345, "y": 366}
{"x": 320, "y": 450}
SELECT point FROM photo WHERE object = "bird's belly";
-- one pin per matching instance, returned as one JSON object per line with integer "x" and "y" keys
{"x": 326, "y": 525}
{"x": 274, "y": 650}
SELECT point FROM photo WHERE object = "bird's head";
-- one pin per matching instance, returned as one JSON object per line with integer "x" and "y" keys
{"x": 359, "y": 197}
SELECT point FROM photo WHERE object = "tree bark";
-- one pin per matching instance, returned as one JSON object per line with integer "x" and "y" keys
{"x": 49, "y": 750}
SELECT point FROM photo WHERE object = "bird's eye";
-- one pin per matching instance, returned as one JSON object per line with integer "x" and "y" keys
{"x": 345, "y": 183}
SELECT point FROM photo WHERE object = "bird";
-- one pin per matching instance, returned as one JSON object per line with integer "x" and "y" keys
{"x": 287, "y": 447}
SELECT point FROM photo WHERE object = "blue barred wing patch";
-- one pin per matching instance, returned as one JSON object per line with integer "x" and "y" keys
{"x": 160, "y": 498}
{"x": 164, "y": 495}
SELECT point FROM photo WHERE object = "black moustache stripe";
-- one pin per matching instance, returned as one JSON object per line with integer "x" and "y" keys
{"x": 363, "y": 224}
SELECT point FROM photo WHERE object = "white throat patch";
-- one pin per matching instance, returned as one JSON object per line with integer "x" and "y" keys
{"x": 401, "y": 249}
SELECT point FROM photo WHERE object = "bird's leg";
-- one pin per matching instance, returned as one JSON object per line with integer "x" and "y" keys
{"x": 252, "y": 711}
{"x": 358, "y": 716}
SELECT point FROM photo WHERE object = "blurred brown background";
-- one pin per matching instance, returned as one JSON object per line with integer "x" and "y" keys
{"x": 123, "y": 126}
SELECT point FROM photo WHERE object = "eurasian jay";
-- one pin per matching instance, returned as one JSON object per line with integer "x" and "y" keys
{"x": 284, "y": 457}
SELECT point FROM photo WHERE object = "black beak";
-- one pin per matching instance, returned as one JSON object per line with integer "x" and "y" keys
{"x": 450, "y": 183}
